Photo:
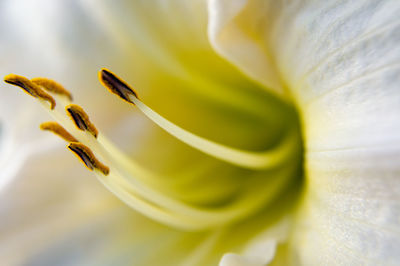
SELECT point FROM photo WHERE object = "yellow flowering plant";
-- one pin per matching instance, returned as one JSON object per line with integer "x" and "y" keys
{"x": 243, "y": 132}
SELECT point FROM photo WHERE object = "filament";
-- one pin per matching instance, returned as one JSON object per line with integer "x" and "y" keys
{"x": 246, "y": 159}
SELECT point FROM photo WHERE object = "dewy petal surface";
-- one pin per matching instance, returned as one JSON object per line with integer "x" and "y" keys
{"x": 341, "y": 63}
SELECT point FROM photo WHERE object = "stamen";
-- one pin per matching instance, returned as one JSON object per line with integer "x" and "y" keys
{"x": 88, "y": 158}
{"x": 58, "y": 130}
{"x": 30, "y": 87}
{"x": 246, "y": 159}
{"x": 52, "y": 86}
{"x": 159, "y": 197}
{"x": 81, "y": 119}
{"x": 116, "y": 85}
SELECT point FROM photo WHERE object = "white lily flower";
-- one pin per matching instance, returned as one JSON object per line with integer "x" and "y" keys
{"x": 207, "y": 161}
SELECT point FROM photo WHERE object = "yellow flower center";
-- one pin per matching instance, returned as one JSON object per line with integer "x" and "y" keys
{"x": 247, "y": 183}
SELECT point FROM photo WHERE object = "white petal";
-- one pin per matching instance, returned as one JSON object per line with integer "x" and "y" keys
{"x": 343, "y": 69}
{"x": 234, "y": 31}
{"x": 351, "y": 211}
{"x": 340, "y": 59}
{"x": 346, "y": 83}
{"x": 260, "y": 250}
{"x": 232, "y": 259}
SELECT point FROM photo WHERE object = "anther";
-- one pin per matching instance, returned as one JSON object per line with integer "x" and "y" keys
{"x": 52, "y": 86}
{"x": 58, "y": 130}
{"x": 116, "y": 85}
{"x": 88, "y": 158}
{"x": 81, "y": 119}
{"x": 30, "y": 87}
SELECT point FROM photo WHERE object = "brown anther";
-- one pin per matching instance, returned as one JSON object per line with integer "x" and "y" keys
{"x": 52, "y": 86}
{"x": 58, "y": 130}
{"x": 30, "y": 87}
{"x": 116, "y": 85}
{"x": 81, "y": 119}
{"x": 87, "y": 157}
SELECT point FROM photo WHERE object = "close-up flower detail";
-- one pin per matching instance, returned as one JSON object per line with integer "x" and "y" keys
{"x": 243, "y": 132}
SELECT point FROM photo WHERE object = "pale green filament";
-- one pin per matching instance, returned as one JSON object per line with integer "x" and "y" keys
{"x": 246, "y": 159}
